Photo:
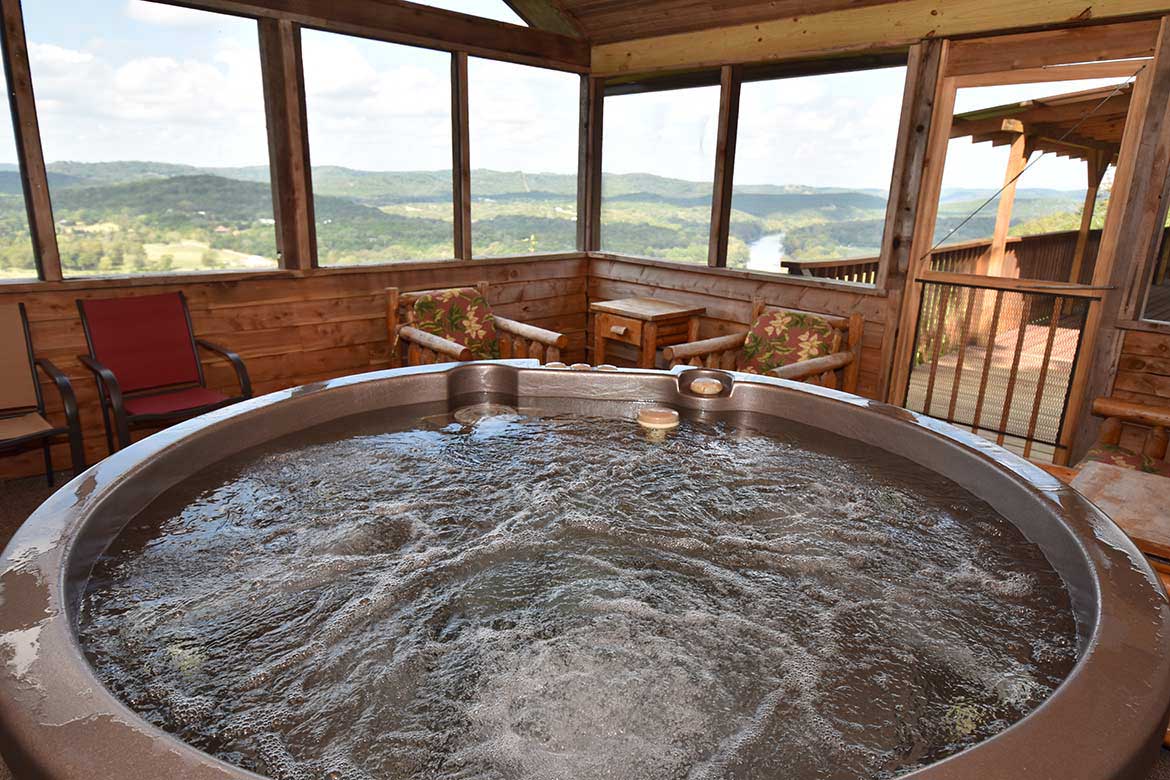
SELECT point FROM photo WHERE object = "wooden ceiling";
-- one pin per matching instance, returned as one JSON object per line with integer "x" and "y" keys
{"x": 607, "y": 21}
{"x": 1082, "y": 125}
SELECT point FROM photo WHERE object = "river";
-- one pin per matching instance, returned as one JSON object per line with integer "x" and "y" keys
{"x": 766, "y": 253}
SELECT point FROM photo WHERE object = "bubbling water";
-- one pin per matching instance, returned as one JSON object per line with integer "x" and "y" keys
{"x": 513, "y": 596}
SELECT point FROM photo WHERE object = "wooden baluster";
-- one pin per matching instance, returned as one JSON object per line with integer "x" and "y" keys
{"x": 428, "y": 357}
{"x": 988, "y": 354}
{"x": 413, "y": 354}
{"x": 964, "y": 335}
{"x": 697, "y": 362}
{"x": 505, "y": 347}
{"x": 712, "y": 360}
{"x": 1054, "y": 319}
{"x": 727, "y": 359}
{"x": 535, "y": 350}
{"x": 943, "y": 299}
{"x": 829, "y": 379}
{"x": 553, "y": 355}
{"x": 1021, "y": 331}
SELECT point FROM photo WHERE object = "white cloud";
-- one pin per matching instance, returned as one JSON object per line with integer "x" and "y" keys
{"x": 168, "y": 15}
{"x": 197, "y": 111}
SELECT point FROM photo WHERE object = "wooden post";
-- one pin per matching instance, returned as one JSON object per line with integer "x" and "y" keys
{"x": 930, "y": 187}
{"x": 33, "y": 177}
{"x": 589, "y": 165}
{"x": 1096, "y": 166}
{"x": 993, "y": 263}
{"x": 460, "y": 156}
{"x": 730, "y": 82}
{"x": 1130, "y": 241}
{"x": 288, "y": 143}
{"x": 914, "y": 133}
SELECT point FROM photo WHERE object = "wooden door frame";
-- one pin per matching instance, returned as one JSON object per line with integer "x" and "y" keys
{"x": 1025, "y": 57}
{"x": 1025, "y": 61}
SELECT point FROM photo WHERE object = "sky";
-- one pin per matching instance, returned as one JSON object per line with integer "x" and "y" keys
{"x": 127, "y": 79}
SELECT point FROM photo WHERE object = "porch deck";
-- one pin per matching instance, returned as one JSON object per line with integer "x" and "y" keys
{"x": 955, "y": 395}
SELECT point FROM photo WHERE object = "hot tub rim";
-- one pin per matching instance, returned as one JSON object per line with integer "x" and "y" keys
{"x": 125, "y": 465}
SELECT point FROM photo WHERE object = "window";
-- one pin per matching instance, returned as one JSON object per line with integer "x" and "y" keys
{"x": 1157, "y": 305}
{"x": 523, "y": 139}
{"x": 659, "y": 162}
{"x": 380, "y": 139}
{"x": 813, "y": 162}
{"x": 16, "y": 253}
{"x": 153, "y": 127}
{"x": 1039, "y": 216}
{"x": 488, "y": 9}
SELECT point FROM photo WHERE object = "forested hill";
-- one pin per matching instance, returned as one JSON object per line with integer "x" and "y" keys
{"x": 148, "y": 216}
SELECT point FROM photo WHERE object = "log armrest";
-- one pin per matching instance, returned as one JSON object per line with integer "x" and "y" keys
{"x": 682, "y": 353}
{"x": 813, "y": 366}
{"x": 549, "y": 338}
{"x": 438, "y": 344}
{"x": 237, "y": 363}
{"x": 1118, "y": 413}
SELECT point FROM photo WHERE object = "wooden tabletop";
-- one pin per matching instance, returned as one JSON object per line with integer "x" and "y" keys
{"x": 647, "y": 309}
{"x": 1133, "y": 499}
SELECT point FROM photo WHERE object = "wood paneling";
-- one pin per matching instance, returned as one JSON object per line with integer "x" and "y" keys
{"x": 728, "y": 294}
{"x": 1143, "y": 369}
{"x": 850, "y": 28}
{"x": 617, "y": 20}
{"x": 292, "y": 328}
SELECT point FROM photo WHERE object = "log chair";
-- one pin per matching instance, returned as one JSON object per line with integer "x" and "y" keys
{"x": 415, "y": 343}
{"x": 838, "y": 370}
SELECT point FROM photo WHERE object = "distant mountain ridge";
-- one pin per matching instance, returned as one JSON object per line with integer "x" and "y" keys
{"x": 388, "y": 187}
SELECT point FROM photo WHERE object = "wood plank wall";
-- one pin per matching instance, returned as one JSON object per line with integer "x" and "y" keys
{"x": 727, "y": 294}
{"x": 1143, "y": 370}
{"x": 291, "y": 328}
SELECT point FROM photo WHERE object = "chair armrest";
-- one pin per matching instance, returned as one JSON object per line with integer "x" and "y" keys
{"x": 237, "y": 363}
{"x": 434, "y": 343}
{"x": 64, "y": 387}
{"x": 549, "y": 338}
{"x": 696, "y": 349}
{"x": 106, "y": 378}
{"x": 1132, "y": 413}
{"x": 813, "y": 366}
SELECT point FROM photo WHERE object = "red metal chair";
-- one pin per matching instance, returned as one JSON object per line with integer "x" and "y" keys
{"x": 23, "y": 422}
{"x": 145, "y": 358}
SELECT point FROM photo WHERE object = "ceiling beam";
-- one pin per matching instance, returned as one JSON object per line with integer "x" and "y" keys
{"x": 548, "y": 15}
{"x": 399, "y": 21}
{"x": 887, "y": 27}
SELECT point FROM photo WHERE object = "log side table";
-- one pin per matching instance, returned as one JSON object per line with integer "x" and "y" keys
{"x": 648, "y": 324}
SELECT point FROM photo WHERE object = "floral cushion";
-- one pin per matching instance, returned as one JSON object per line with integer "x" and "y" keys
{"x": 780, "y": 338}
{"x": 461, "y": 315}
{"x": 1128, "y": 459}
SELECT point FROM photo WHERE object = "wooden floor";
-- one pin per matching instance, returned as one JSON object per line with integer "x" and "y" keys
{"x": 959, "y": 404}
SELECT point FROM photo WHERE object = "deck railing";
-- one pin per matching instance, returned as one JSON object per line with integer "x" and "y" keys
{"x": 997, "y": 356}
{"x": 1046, "y": 257}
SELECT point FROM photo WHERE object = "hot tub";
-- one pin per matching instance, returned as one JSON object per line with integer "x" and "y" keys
{"x": 57, "y": 720}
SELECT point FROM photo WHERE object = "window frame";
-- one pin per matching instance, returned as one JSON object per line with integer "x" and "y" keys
{"x": 730, "y": 79}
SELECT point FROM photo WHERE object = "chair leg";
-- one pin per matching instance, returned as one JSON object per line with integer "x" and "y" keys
{"x": 77, "y": 449}
{"x": 106, "y": 420}
{"x": 46, "y": 446}
{"x": 123, "y": 426}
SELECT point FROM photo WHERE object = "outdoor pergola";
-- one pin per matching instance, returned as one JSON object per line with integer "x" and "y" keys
{"x": 1086, "y": 126}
